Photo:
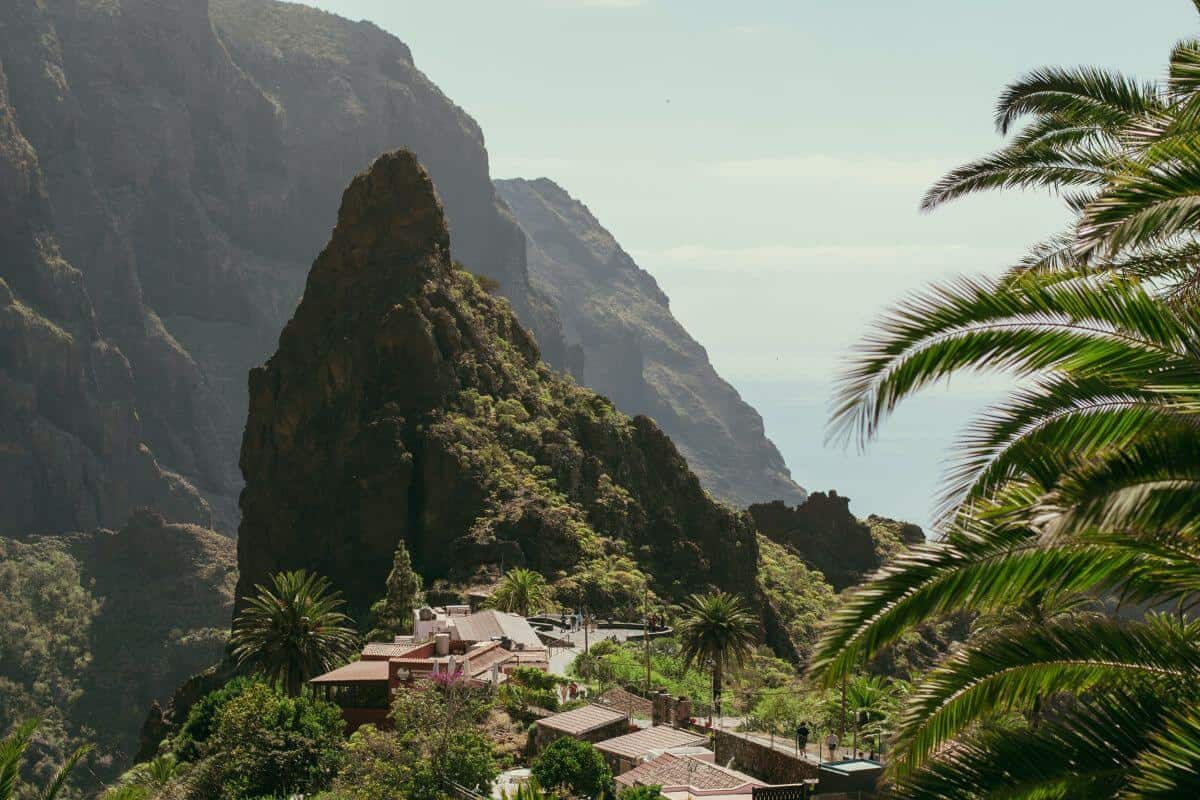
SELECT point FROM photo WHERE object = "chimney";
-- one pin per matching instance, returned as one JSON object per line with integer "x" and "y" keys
{"x": 441, "y": 644}
{"x": 683, "y": 711}
{"x": 662, "y": 709}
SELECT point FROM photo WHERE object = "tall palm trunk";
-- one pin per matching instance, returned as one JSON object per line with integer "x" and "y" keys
{"x": 716, "y": 687}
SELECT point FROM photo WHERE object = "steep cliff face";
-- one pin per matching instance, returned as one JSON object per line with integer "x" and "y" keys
{"x": 71, "y": 438}
{"x": 407, "y": 403}
{"x": 635, "y": 351}
{"x": 169, "y": 168}
{"x": 824, "y": 533}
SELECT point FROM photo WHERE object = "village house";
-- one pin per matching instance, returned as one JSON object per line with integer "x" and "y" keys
{"x": 683, "y": 776}
{"x": 590, "y": 723}
{"x": 479, "y": 648}
{"x": 625, "y": 752}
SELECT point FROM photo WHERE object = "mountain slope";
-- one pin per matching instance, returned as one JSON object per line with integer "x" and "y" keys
{"x": 99, "y": 625}
{"x": 170, "y": 167}
{"x": 635, "y": 351}
{"x": 405, "y": 403}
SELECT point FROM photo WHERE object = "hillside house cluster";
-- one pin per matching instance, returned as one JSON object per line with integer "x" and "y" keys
{"x": 450, "y": 642}
{"x": 673, "y": 755}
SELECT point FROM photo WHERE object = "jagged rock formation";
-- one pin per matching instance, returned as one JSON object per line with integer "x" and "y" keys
{"x": 168, "y": 169}
{"x": 407, "y": 403}
{"x": 826, "y": 535}
{"x": 636, "y": 353}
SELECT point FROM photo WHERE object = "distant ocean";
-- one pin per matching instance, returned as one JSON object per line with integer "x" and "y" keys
{"x": 898, "y": 475}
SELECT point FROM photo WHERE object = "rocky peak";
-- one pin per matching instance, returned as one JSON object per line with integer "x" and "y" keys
{"x": 406, "y": 403}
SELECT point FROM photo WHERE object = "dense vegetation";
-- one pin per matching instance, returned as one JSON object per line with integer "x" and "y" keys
{"x": 46, "y": 616}
{"x": 1081, "y": 486}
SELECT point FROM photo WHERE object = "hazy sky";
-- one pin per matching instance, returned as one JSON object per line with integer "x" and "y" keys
{"x": 764, "y": 161}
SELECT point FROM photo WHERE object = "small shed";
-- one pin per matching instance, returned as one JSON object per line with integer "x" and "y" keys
{"x": 360, "y": 689}
{"x": 852, "y": 775}
{"x": 590, "y": 723}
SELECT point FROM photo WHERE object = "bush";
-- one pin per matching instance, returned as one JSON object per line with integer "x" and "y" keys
{"x": 574, "y": 766}
{"x": 641, "y": 793}
{"x": 435, "y": 741}
{"x": 202, "y": 718}
{"x": 269, "y": 744}
{"x": 375, "y": 767}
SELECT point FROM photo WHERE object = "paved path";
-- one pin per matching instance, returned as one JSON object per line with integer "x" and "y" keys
{"x": 783, "y": 745}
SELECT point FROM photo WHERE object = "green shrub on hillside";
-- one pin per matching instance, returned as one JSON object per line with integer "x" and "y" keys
{"x": 267, "y": 743}
{"x": 801, "y": 595}
{"x": 573, "y": 766}
{"x": 46, "y": 617}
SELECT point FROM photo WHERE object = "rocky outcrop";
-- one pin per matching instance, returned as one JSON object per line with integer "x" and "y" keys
{"x": 824, "y": 533}
{"x": 635, "y": 351}
{"x": 169, "y": 167}
{"x": 406, "y": 403}
{"x": 100, "y": 625}
{"x": 166, "y": 594}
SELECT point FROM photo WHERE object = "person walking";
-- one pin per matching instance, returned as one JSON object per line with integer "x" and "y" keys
{"x": 802, "y": 737}
{"x": 832, "y": 743}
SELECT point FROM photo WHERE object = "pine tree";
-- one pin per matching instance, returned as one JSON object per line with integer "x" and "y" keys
{"x": 393, "y": 612}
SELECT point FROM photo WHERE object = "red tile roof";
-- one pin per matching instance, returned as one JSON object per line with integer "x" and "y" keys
{"x": 684, "y": 772}
{"x": 651, "y": 740}
{"x": 356, "y": 672}
{"x": 581, "y": 720}
{"x": 388, "y": 649}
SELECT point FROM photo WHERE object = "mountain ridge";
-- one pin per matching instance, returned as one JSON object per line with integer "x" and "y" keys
{"x": 634, "y": 350}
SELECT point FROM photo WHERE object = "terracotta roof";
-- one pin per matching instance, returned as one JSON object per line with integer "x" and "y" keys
{"x": 582, "y": 720}
{"x": 386, "y": 649}
{"x": 651, "y": 740}
{"x": 484, "y": 626}
{"x": 356, "y": 672}
{"x": 672, "y": 771}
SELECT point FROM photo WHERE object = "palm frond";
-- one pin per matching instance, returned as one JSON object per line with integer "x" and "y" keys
{"x": 1039, "y": 164}
{"x": 59, "y": 781}
{"x": 12, "y": 749}
{"x": 1147, "y": 202}
{"x": 1084, "y": 94}
{"x": 1083, "y": 754}
{"x": 1024, "y": 326}
{"x": 1013, "y": 671}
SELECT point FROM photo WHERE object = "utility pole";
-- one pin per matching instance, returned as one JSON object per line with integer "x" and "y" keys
{"x": 585, "y": 616}
{"x": 842, "y": 734}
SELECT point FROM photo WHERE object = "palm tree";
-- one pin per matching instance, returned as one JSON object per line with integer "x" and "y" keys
{"x": 1082, "y": 484}
{"x": 12, "y": 750}
{"x": 521, "y": 591}
{"x": 717, "y": 630}
{"x": 870, "y": 703}
{"x": 293, "y": 631}
{"x": 155, "y": 773}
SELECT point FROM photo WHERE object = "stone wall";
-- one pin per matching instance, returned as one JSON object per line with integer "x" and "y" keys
{"x": 761, "y": 760}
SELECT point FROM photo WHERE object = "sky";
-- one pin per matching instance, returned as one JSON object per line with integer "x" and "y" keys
{"x": 765, "y": 161}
